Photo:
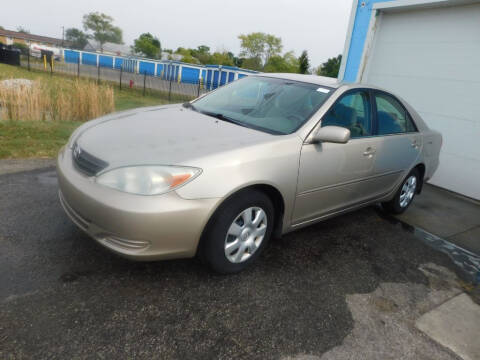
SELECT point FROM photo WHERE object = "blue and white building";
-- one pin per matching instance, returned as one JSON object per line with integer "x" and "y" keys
{"x": 428, "y": 52}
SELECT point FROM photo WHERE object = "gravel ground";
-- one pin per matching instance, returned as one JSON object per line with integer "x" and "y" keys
{"x": 350, "y": 287}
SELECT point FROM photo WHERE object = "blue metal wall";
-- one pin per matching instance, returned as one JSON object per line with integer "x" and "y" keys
{"x": 190, "y": 75}
{"x": 146, "y": 67}
{"x": 160, "y": 69}
{"x": 118, "y": 63}
{"x": 71, "y": 56}
{"x": 363, "y": 15}
{"x": 89, "y": 59}
{"x": 105, "y": 61}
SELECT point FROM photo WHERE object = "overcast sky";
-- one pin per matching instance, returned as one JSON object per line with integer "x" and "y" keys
{"x": 319, "y": 26}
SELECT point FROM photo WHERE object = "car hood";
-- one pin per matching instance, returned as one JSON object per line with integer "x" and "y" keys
{"x": 164, "y": 135}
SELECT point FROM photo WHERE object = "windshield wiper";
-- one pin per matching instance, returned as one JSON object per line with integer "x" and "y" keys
{"x": 188, "y": 105}
{"x": 222, "y": 117}
{"x": 219, "y": 116}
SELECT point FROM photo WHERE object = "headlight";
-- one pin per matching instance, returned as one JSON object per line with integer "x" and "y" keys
{"x": 148, "y": 180}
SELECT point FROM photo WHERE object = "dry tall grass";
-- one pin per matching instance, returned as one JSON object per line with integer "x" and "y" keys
{"x": 65, "y": 99}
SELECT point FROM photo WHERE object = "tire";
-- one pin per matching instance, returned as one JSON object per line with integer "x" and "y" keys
{"x": 405, "y": 194}
{"x": 230, "y": 226}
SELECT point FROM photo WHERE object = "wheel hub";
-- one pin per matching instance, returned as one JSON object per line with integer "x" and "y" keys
{"x": 245, "y": 234}
{"x": 408, "y": 191}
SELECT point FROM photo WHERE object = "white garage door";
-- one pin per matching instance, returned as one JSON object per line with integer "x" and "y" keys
{"x": 431, "y": 58}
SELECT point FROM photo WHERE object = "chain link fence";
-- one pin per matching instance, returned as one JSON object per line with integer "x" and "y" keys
{"x": 147, "y": 83}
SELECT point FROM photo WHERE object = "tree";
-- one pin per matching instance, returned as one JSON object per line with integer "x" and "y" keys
{"x": 253, "y": 63}
{"x": 202, "y": 53}
{"x": 236, "y": 61}
{"x": 76, "y": 37}
{"x": 260, "y": 46}
{"x": 221, "y": 58}
{"x": 190, "y": 59}
{"x": 304, "y": 63}
{"x": 147, "y": 45}
{"x": 287, "y": 63}
{"x": 331, "y": 67}
{"x": 102, "y": 28}
{"x": 273, "y": 46}
{"x": 22, "y": 29}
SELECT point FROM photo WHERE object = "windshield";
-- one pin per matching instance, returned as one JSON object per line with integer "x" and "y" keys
{"x": 277, "y": 106}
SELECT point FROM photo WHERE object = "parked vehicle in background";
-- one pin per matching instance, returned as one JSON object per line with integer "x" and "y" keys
{"x": 36, "y": 51}
{"x": 262, "y": 156}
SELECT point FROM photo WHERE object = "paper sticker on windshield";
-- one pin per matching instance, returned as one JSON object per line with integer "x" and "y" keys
{"x": 323, "y": 90}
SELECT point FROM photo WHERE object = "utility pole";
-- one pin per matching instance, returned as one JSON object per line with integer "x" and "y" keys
{"x": 63, "y": 35}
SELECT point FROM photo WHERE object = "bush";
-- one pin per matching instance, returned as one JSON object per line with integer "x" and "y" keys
{"x": 68, "y": 100}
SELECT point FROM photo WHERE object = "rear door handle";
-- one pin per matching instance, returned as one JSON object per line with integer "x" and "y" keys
{"x": 415, "y": 144}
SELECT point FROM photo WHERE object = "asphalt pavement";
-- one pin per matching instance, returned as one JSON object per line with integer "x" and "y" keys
{"x": 64, "y": 296}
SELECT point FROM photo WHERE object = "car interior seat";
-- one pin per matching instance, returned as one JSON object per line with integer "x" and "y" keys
{"x": 387, "y": 123}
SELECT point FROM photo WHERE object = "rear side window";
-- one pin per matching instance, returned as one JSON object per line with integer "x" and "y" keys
{"x": 352, "y": 111}
{"x": 392, "y": 118}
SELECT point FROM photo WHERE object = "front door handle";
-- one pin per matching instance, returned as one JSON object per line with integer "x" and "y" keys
{"x": 369, "y": 151}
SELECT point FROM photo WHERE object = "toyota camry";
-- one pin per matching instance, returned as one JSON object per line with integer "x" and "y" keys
{"x": 219, "y": 176}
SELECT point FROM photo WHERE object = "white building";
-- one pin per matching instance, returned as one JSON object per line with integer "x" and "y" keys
{"x": 428, "y": 52}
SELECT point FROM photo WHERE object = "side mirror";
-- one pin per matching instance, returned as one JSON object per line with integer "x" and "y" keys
{"x": 333, "y": 134}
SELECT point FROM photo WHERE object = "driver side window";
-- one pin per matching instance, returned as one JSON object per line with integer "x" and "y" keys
{"x": 353, "y": 112}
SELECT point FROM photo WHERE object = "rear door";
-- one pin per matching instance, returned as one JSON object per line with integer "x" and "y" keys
{"x": 399, "y": 142}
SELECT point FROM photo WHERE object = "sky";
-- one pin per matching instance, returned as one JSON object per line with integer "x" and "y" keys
{"x": 318, "y": 26}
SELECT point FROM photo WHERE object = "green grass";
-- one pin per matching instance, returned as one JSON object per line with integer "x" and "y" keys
{"x": 133, "y": 98}
{"x": 27, "y": 139}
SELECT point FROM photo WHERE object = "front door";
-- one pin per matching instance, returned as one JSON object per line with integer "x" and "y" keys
{"x": 336, "y": 176}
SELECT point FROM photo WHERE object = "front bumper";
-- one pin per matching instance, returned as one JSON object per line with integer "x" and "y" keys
{"x": 135, "y": 226}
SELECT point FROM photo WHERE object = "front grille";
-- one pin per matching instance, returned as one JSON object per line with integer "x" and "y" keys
{"x": 86, "y": 162}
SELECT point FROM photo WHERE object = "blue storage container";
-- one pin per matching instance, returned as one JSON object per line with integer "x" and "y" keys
{"x": 71, "y": 56}
{"x": 215, "y": 79}
{"x": 176, "y": 72}
{"x": 118, "y": 63}
{"x": 223, "y": 78}
{"x": 209, "y": 79}
{"x": 146, "y": 67}
{"x": 89, "y": 59}
{"x": 160, "y": 69}
{"x": 105, "y": 61}
{"x": 190, "y": 75}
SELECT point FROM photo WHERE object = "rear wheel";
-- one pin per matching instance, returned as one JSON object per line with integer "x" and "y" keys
{"x": 238, "y": 232}
{"x": 405, "y": 194}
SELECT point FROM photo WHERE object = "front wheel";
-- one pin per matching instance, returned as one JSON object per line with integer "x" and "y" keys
{"x": 238, "y": 232}
{"x": 405, "y": 194}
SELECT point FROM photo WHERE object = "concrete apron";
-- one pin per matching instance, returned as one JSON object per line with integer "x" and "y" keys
{"x": 466, "y": 261}
{"x": 456, "y": 325}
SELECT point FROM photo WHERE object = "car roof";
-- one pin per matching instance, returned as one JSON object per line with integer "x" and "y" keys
{"x": 313, "y": 79}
